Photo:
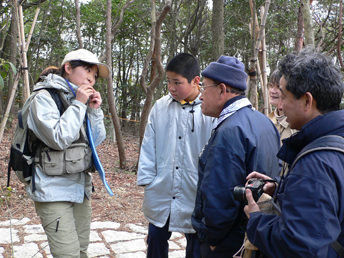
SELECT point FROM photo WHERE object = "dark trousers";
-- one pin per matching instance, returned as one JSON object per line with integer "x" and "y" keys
{"x": 158, "y": 243}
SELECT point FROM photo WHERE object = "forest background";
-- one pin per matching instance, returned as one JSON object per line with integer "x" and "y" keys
{"x": 136, "y": 38}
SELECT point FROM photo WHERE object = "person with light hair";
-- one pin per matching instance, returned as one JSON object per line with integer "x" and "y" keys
{"x": 277, "y": 116}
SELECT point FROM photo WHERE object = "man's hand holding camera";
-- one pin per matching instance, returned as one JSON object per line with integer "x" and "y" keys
{"x": 268, "y": 188}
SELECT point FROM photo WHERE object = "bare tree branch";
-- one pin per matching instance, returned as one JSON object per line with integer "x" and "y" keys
{"x": 156, "y": 49}
{"x": 111, "y": 98}
{"x": 115, "y": 28}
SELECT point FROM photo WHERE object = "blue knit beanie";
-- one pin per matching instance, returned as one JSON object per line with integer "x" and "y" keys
{"x": 227, "y": 70}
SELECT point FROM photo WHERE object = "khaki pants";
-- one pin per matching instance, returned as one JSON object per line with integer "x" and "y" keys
{"x": 67, "y": 226}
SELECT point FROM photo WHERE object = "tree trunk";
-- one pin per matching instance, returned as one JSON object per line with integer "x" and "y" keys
{"x": 14, "y": 88}
{"x": 254, "y": 51}
{"x": 264, "y": 84}
{"x": 36, "y": 46}
{"x": 10, "y": 101}
{"x": 26, "y": 86}
{"x": 13, "y": 49}
{"x": 218, "y": 40}
{"x": 252, "y": 94}
{"x": 155, "y": 46}
{"x": 78, "y": 32}
{"x": 111, "y": 98}
{"x": 307, "y": 21}
{"x": 300, "y": 32}
{"x": 340, "y": 34}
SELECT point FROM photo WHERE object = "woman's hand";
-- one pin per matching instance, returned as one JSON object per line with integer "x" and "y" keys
{"x": 95, "y": 100}
{"x": 269, "y": 187}
{"x": 87, "y": 92}
{"x": 84, "y": 92}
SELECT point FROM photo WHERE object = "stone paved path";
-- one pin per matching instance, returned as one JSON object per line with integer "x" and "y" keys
{"x": 108, "y": 239}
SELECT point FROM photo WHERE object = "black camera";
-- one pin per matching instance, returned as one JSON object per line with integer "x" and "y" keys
{"x": 255, "y": 185}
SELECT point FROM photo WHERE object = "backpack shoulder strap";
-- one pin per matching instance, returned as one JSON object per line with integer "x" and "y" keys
{"x": 55, "y": 95}
{"x": 328, "y": 142}
{"x": 338, "y": 248}
{"x": 331, "y": 143}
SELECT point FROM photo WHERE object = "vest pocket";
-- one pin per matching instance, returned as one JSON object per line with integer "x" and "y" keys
{"x": 52, "y": 162}
{"x": 77, "y": 158}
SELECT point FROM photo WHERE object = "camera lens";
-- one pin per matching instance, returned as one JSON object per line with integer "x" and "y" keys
{"x": 239, "y": 193}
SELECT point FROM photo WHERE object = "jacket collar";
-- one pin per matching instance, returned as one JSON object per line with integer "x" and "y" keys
{"x": 239, "y": 102}
{"x": 197, "y": 101}
{"x": 331, "y": 123}
{"x": 232, "y": 100}
{"x": 56, "y": 82}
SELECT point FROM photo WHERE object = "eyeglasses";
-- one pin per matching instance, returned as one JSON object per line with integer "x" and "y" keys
{"x": 202, "y": 87}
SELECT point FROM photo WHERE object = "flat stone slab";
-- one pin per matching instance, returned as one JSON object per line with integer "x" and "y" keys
{"x": 106, "y": 224}
{"x": 114, "y": 236}
{"x": 97, "y": 249}
{"x": 5, "y": 236}
{"x": 33, "y": 229}
{"x": 2, "y": 250}
{"x": 35, "y": 237}
{"x": 137, "y": 228}
{"x": 173, "y": 246}
{"x": 176, "y": 235}
{"x": 45, "y": 246}
{"x": 94, "y": 237}
{"x": 129, "y": 246}
{"x": 176, "y": 254}
{"x": 27, "y": 250}
{"x": 182, "y": 242}
{"x": 132, "y": 255}
{"x": 106, "y": 240}
{"x": 14, "y": 222}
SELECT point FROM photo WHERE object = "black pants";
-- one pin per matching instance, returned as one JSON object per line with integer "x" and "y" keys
{"x": 158, "y": 242}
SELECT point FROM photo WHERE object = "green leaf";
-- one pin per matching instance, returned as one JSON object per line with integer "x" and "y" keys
{"x": 1, "y": 83}
{"x": 3, "y": 74}
{"x": 13, "y": 68}
{"x": 6, "y": 66}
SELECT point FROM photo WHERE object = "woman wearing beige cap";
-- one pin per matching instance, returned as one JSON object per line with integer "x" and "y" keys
{"x": 61, "y": 184}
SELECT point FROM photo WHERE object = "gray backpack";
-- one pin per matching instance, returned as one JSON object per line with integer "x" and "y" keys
{"x": 25, "y": 143}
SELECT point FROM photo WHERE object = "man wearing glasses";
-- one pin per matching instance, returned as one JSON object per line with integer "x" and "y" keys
{"x": 243, "y": 140}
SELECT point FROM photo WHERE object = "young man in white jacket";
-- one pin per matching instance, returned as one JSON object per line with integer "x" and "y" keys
{"x": 175, "y": 134}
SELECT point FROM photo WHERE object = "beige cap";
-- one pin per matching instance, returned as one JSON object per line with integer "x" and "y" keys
{"x": 88, "y": 57}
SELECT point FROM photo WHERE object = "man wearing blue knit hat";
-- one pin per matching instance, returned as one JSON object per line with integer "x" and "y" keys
{"x": 243, "y": 140}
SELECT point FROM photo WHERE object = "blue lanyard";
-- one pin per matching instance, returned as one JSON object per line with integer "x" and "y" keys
{"x": 95, "y": 156}
{"x": 70, "y": 86}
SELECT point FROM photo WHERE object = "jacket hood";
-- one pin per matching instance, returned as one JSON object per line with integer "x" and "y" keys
{"x": 54, "y": 81}
{"x": 331, "y": 123}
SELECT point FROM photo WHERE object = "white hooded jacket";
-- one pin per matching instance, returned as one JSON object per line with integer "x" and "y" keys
{"x": 59, "y": 132}
{"x": 168, "y": 166}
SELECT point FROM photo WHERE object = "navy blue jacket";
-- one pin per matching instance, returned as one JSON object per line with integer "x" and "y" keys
{"x": 244, "y": 142}
{"x": 311, "y": 198}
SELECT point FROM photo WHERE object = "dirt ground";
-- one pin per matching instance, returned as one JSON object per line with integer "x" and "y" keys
{"x": 123, "y": 207}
